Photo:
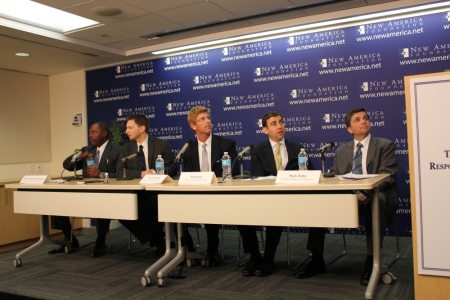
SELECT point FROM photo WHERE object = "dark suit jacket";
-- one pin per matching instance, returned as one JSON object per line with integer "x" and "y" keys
{"x": 219, "y": 145}
{"x": 263, "y": 161}
{"x": 108, "y": 162}
{"x": 155, "y": 147}
{"x": 380, "y": 160}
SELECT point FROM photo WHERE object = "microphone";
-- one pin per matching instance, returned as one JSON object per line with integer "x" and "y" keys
{"x": 246, "y": 149}
{"x": 188, "y": 142}
{"x": 326, "y": 147}
{"x": 132, "y": 156}
{"x": 74, "y": 158}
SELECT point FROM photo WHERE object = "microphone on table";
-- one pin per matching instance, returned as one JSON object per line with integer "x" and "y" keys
{"x": 326, "y": 147}
{"x": 130, "y": 157}
{"x": 186, "y": 145}
{"x": 246, "y": 150}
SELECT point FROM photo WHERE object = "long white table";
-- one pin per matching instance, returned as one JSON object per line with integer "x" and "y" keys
{"x": 331, "y": 203}
{"x": 116, "y": 200}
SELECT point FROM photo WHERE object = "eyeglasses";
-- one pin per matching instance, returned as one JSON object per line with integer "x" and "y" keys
{"x": 204, "y": 119}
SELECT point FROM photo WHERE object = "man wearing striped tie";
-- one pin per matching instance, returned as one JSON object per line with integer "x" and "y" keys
{"x": 268, "y": 157}
{"x": 365, "y": 154}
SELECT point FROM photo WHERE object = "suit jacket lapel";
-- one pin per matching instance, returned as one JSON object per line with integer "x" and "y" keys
{"x": 194, "y": 154}
{"x": 151, "y": 155}
{"x": 215, "y": 151}
{"x": 134, "y": 149}
{"x": 290, "y": 150}
{"x": 269, "y": 154}
{"x": 102, "y": 165}
{"x": 373, "y": 146}
{"x": 349, "y": 158}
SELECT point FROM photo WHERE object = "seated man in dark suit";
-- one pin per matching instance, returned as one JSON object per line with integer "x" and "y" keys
{"x": 365, "y": 154}
{"x": 199, "y": 120}
{"x": 105, "y": 155}
{"x": 272, "y": 155}
{"x": 146, "y": 228}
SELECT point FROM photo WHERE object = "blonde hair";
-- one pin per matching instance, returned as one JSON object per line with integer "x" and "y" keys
{"x": 195, "y": 111}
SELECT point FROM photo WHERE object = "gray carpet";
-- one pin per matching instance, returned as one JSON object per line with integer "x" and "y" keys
{"x": 117, "y": 275}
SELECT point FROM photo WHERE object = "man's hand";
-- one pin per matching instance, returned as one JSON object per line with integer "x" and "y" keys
{"x": 361, "y": 198}
{"x": 93, "y": 172}
{"x": 84, "y": 155}
{"x": 151, "y": 171}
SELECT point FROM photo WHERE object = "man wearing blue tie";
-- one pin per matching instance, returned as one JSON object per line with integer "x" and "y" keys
{"x": 365, "y": 154}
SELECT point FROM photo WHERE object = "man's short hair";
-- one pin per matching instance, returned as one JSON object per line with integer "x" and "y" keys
{"x": 195, "y": 111}
{"x": 349, "y": 115}
{"x": 269, "y": 115}
{"x": 103, "y": 127}
{"x": 140, "y": 120}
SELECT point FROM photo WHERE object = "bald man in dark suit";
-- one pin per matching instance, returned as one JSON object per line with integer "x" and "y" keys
{"x": 365, "y": 154}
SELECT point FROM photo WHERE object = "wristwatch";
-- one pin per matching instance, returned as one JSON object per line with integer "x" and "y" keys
{"x": 103, "y": 174}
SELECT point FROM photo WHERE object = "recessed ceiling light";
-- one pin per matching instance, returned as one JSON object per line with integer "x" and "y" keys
{"x": 22, "y": 54}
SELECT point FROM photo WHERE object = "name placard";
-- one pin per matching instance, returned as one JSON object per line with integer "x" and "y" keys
{"x": 294, "y": 177}
{"x": 155, "y": 179}
{"x": 35, "y": 179}
{"x": 197, "y": 178}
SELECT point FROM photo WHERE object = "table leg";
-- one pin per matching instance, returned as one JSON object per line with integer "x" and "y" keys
{"x": 376, "y": 269}
{"x": 43, "y": 240}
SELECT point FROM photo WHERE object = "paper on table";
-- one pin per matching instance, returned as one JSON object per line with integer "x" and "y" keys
{"x": 351, "y": 176}
{"x": 262, "y": 178}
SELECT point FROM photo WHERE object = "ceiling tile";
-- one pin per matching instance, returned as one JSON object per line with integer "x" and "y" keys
{"x": 132, "y": 43}
{"x": 335, "y": 6}
{"x": 102, "y": 34}
{"x": 196, "y": 14}
{"x": 159, "y": 5}
{"x": 61, "y": 4}
{"x": 277, "y": 17}
{"x": 128, "y": 11}
{"x": 251, "y": 7}
{"x": 147, "y": 24}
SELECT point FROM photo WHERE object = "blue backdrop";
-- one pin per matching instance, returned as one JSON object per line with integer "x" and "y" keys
{"x": 313, "y": 79}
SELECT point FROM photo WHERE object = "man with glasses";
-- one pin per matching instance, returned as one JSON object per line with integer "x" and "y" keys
{"x": 205, "y": 154}
{"x": 365, "y": 154}
{"x": 269, "y": 157}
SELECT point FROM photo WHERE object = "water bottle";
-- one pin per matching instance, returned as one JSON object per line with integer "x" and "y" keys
{"x": 302, "y": 160}
{"x": 159, "y": 165}
{"x": 226, "y": 167}
{"x": 90, "y": 161}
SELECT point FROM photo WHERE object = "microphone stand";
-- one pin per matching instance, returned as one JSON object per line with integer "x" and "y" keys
{"x": 322, "y": 157}
{"x": 124, "y": 173}
{"x": 242, "y": 175}
{"x": 75, "y": 175}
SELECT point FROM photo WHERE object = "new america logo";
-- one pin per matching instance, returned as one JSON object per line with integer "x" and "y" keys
{"x": 381, "y": 85}
{"x": 333, "y": 118}
{"x": 218, "y": 77}
{"x": 186, "y": 106}
{"x": 401, "y": 146}
{"x": 446, "y": 17}
{"x": 162, "y": 85}
{"x": 112, "y": 92}
{"x": 390, "y": 26}
{"x": 319, "y": 91}
{"x": 247, "y": 48}
{"x": 167, "y": 132}
{"x": 140, "y": 66}
{"x": 186, "y": 58}
{"x": 424, "y": 51}
{"x": 229, "y": 128}
{"x": 280, "y": 69}
{"x": 250, "y": 98}
{"x": 350, "y": 60}
{"x": 124, "y": 112}
{"x": 315, "y": 37}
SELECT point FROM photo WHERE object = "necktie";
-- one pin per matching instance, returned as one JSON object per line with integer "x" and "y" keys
{"x": 278, "y": 161}
{"x": 357, "y": 160}
{"x": 97, "y": 159}
{"x": 205, "y": 165}
{"x": 141, "y": 159}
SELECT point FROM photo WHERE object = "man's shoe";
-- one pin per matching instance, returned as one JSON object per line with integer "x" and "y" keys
{"x": 250, "y": 268}
{"x": 315, "y": 266}
{"x": 215, "y": 259}
{"x": 60, "y": 249}
{"x": 75, "y": 243}
{"x": 264, "y": 268}
{"x": 365, "y": 277}
{"x": 98, "y": 251}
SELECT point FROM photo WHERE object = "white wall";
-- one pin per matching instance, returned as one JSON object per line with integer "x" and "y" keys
{"x": 67, "y": 97}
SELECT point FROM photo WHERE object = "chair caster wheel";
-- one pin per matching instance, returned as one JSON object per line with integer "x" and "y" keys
{"x": 67, "y": 249}
{"x": 17, "y": 263}
{"x": 146, "y": 280}
{"x": 205, "y": 263}
{"x": 162, "y": 282}
{"x": 388, "y": 278}
{"x": 190, "y": 262}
